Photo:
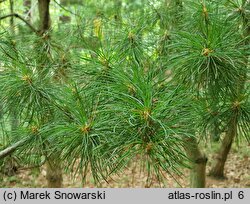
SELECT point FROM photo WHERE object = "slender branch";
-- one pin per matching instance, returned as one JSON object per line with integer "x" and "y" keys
{"x": 65, "y": 9}
{"x": 22, "y": 19}
{"x": 1, "y": 1}
{"x": 4, "y": 153}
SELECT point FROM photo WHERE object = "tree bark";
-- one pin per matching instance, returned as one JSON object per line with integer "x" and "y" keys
{"x": 198, "y": 164}
{"x": 54, "y": 173}
{"x": 44, "y": 14}
{"x": 53, "y": 165}
{"x": 217, "y": 170}
{"x": 6, "y": 152}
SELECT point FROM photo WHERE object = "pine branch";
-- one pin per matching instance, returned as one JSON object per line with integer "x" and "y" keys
{"x": 22, "y": 19}
{"x": 4, "y": 153}
{"x": 65, "y": 9}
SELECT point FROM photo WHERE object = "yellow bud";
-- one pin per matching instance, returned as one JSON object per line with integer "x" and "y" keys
{"x": 145, "y": 114}
{"x": 236, "y": 104}
{"x": 131, "y": 37}
{"x": 27, "y": 78}
{"x": 206, "y": 51}
{"x": 86, "y": 128}
{"x": 34, "y": 129}
{"x": 149, "y": 147}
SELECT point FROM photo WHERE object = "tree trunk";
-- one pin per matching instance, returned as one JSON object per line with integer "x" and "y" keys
{"x": 53, "y": 165}
{"x": 198, "y": 164}
{"x": 45, "y": 23}
{"x": 217, "y": 170}
{"x": 54, "y": 173}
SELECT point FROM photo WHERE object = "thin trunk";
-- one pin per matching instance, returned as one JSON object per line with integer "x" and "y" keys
{"x": 53, "y": 165}
{"x": 198, "y": 164}
{"x": 54, "y": 173}
{"x": 45, "y": 23}
{"x": 217, "y": 170}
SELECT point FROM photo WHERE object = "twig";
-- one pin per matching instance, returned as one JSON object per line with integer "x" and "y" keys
{"x": 21, "y": 18}
{"x": 4, "y": 153}
{"x": 66, "y": 8}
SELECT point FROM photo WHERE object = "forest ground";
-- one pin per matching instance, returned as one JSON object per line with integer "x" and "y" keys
{"x": 237, "y": 173}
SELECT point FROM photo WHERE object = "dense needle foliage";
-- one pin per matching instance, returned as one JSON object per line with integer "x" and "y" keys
{"x": 127, "y": 81}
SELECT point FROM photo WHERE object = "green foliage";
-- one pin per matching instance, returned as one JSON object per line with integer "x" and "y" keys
{"x": 153, "y": 120}
{"x": 24, "y": 91}
{"x": 79, "y": 133}
{"x": 212, "y": 61}
{"x": 126, "y": 84}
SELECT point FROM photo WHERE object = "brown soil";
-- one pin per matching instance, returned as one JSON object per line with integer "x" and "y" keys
{"x": 237, "y": 172}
